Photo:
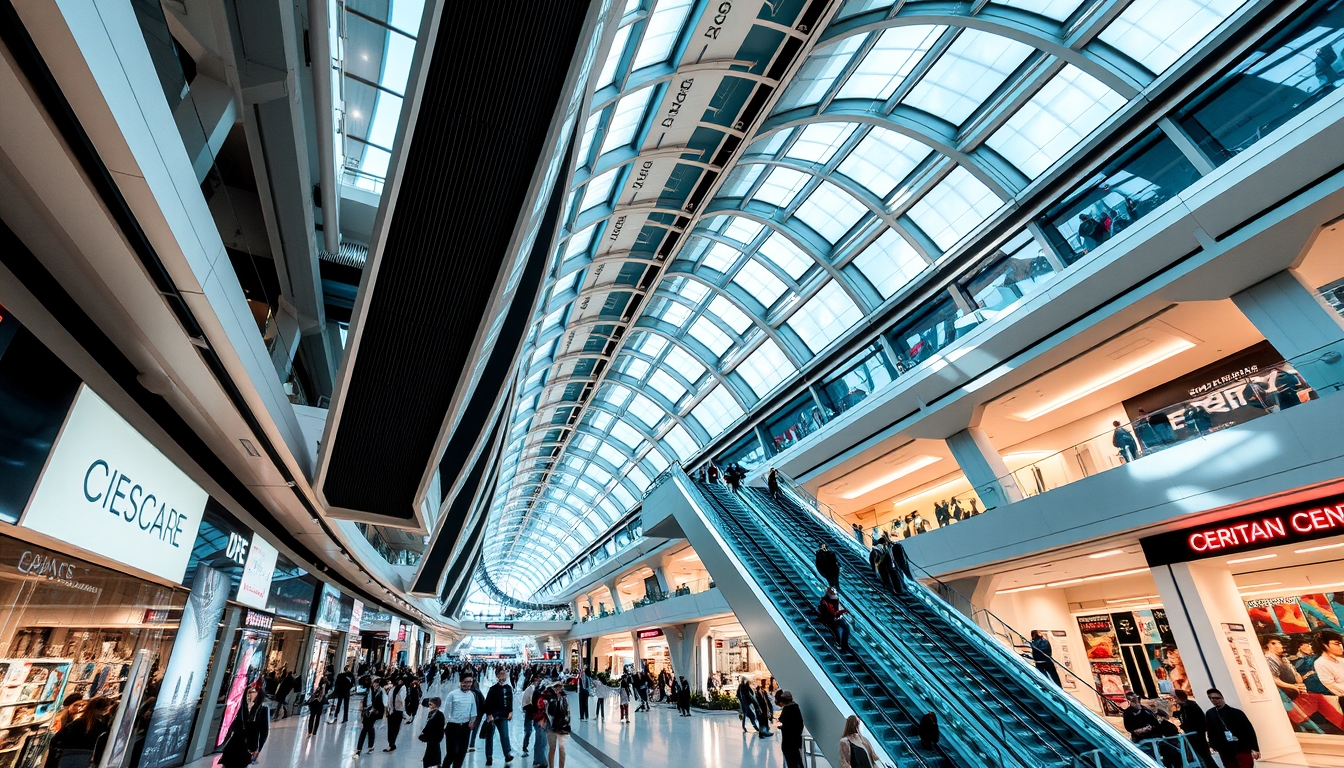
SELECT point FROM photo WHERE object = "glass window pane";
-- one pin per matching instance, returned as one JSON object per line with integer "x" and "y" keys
{"x": 862, "y": 376}
{"x": 626, "y": 119}
{"x": 1019, "y": 272}
{"x": 953, "y": 208}
{"x": 681, "y": 443}
{"x": 1060, "y": 115}
{"x": 741, "y": 229}
{"x": 706, "y": 332}
{"x": 817, "y": 74}
{"x": 882, "y": 159}
{"x": 918, "y": 338}
{"x": 666, "y": 386}
{"x": 673, "y": 312}
{"x": 656, "y": 460}
{"x": 781, "y": 186}
{"x": 757, "y": 280}
{"x": 650, "y": 344}
{"x": 608, "y": 74}
{"x": 819, "y": 141}
{"x": 766, "y": 368}
{"x": 830, "y": 211}
{"x": 784, "y": 254}
{"x": 717, "y": 411}
{"x": 1059, "y": 10}
{"x": 598, "y": 191}
{"x": 684, "y": 363}
{"x": 769, "y": 145}
{"x": 746, "y": 453}
{"x": 646, "y": 411}
{"x": 799, "y": 418}
{"x": 740, "y": 180}
{"x": 890, "y": 61}
{"x": 889, "y": 263}
{"x": 730, "y": 314}
{"x": 825, "y": 317}
{"x": 627, "y": 434}
{"x": 972, "y": 68}
{"x": 660, "y": 36}
{"x": 720, "y": 257}
{"x": 1158, "y": 32}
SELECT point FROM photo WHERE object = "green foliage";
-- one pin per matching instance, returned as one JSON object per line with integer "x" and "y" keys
{"x": 720, "y": 701}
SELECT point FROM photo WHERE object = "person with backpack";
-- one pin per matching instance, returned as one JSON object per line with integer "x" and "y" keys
{"x": 370, "y": 712}
{"x": 828, "y": 565}
{"x": 832, "y": 614}
{"x": 395, "y": 692}
{"x": 557, "y": 731}
{"x": 855, "y": 751}
{"x": 314, "y": 704}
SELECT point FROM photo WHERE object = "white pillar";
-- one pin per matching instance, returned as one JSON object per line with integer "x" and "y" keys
{"x": 1220, "y": 650}
{"x": 983, "y": 467}
{"x": 1301, "y": 326}
{"x": 660, "y": 573}
{"x": 615, "y": 596}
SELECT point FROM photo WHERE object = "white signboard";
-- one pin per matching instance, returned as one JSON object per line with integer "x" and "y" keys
{"x": 107, "y": 489}
{"x": 255, "y": 588}
{"x": 356, "y": 616}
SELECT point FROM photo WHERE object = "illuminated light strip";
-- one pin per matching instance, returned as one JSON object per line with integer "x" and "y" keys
{"x": 1107, "y": 553}
{"x": 1068, "y": 582}
{"x": 1316, "y": 549}
{"x": 1135, "y": 599}
{"x": 1249, "y": 559}
{"x": 1312, "y": 587}
{"x": 1262, "y": 584}
{"x": 901, "y": 470}
{"x": 1153, "y": 358}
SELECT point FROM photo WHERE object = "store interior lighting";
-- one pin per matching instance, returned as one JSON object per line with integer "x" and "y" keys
{"x": 1249, "y": 559}
{"x": 1317, "y": 549}
{"x": 896, "y": 473}
{"x": 1166, "y": 351}
{"x": 1313, "y": 587}
{"x": 1107, "y": 553}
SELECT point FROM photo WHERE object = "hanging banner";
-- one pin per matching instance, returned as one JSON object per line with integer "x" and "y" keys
{"x": 255, "y": 588}
{"x": 180, "y": 690}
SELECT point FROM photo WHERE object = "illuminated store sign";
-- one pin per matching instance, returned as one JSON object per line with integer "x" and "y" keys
{"x": 255, "y": 587}
{"x": 499, "y": 626}
{"x": 645, "y": 634}
{"x": 1303, "y": 522}
{"x": 108, "y": 490}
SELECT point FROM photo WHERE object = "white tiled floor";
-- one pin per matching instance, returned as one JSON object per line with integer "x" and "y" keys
{"x": 655, "y": 738}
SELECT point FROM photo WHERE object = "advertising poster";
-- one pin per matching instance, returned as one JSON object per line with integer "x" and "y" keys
{"x": 128, "y": 709}
{"x": 1302, "y": 623}
{"x": 180, "y": 690}
{"x": 246, "y": 671}
{"x": 255, "y": 586}
{"x": 1109, "y": 678}
{"x": 1245, "y": 672}
{"x": 328, "y": 608}
{"x": 1099, "y": 641}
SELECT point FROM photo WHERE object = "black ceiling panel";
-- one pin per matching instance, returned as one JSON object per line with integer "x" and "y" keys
{"x": 493, "y": 84}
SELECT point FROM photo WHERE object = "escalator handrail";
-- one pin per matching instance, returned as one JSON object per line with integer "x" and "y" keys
{"x": 970, "y": 669}
{"x": 856, "y": 608}
{"x": 1013, "y": 662}
{"x": 719, "y": 510}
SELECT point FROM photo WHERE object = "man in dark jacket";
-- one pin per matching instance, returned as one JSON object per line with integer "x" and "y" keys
{"x": 1141, "y": 724}
{"x": 898, "y": 566}
{"x": 1192, "y": 724}
{"x": 790, "y": 729}
{"x": 828, "y": 566}
{"x": 1042, "y": 655}
{"x": 1230, "y": 733}
{"x": 287, "y": 685}
{"x": 345, "y": 685}
{"x": 498, "y": 712}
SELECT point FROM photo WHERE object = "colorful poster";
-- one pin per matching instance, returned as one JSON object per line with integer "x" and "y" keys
{"x": 246, "y": 671}
{"x": 1245, "y": 671}
{"x": 1126, "y": 628}
{"x": 1109, "y": 678}
{"x": 128, "y": 709}
{"x": 1099, "y": 641}
{"x": 1319, "y": 612}
{"x": 1302, "y": 624}
{"x": 1147, "y": 626}
{"x": 1289, "y": 615}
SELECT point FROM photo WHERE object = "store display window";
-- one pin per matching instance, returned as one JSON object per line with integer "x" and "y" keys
{"x": 76, "y": 638}
{"x": 1302, "y": 639}
{"x": 1133, "y": 651}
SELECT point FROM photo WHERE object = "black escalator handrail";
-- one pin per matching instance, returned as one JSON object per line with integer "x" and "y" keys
{"x": 968, "y": 667}
{"x": 1101, "y": 731}
{"x": 726, "y": 518}
{"x": 873, "y": 625}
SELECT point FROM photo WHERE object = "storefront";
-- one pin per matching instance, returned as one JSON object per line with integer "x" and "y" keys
{"x": 653, "y": 650}
{"x": 733, "y": 656}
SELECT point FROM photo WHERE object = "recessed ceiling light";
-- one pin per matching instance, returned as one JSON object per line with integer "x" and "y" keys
{"x": 897, "y": 472}
{"x": 1250, "y": 559}
{"x": 1317, "y": 549}
{"x": 1141, "y": 362}
{"x": 1107, "y": 553}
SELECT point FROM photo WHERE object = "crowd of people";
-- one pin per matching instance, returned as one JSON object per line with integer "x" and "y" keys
{"x": 1221, "y": 728}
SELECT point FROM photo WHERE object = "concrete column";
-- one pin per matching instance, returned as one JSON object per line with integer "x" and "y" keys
{"x": 574, "y": 609}
{"x": 704, "y": 652}
{"x": 1300, "y": 325}
{"x": 615, "y": 596}
{"x": 638, "y": 651}
{"x": 984, "y": 468}
{"x": 1220, "y": 650}
{"x": 660, "y": 573}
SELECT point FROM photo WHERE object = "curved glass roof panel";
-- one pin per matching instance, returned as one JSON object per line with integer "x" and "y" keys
{"x": 598, "y": 191}
{"x": 1064, "y": 112}
{"x": 759, "y": 282}
{"x": 626, "y": 119}
{"x": 646, "y": 411}
{"x": 1156, "y": 33}
{"x": 882, "y": 159}
{"x": 734, "y": 317}
{"x": 1059, "y": 10}
{"x": 818, "y": 74}
{"x": 781, "y": 186}
{"x": 954, "y": 207}
{"x": 825, "y": 316}
{"x": 708, "y": 333}
{"x": 765, "y": 368}
{"x": 830, "y": 211}
{"x": 661, "y": 32}
{"x": 680, "y": 442}
{"x": 886, "y": 66}
{"x": 681, "y": 361}
{"x": 820, "y": 141}
{"x": 966, "y": 74}
{"x": 627, "y": 434}
{"x": 717, "y": 411}
{"x": 720, "y": 257}
{"x": 608, "y": 74}
{"x": 741, "y": 180}
{"x": 784, "y": 254}
{"x": 666, "y": 385}
{"x": 889, "y": 263}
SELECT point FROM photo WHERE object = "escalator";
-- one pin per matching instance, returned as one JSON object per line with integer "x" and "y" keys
{"x": 945, "y": 641}
{"x": 907, "y": 655}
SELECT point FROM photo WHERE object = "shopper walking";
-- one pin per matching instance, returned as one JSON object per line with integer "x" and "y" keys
{"x": 413, "y": 698}
{"x": 684, "y": 696}
{"x": 435, "y": 727}
{"x": 498, "y": 713}
{"x": 480, "y": 707}
{"x": 540, "y": 715}
{"x": 624, "y": 697}
{"x": 828, "y": 565}
{"x": 557, "y": 731}
{"x": 898, "y": 566}
{"x": 1124, "y": 441}
{"x": 314, "y": 704}
{"x": 765, "y": 711}
{"x": 283, "y": 688}
{"x": 929, "y": 735}
{"x": 746, "y": 705}
{"x": 460, "y": 715}
{"x": 855, "y": 751}
{"x": 1042, "y": 655}
{"x": 344, "y": 686}
{"x": 1230, "y": 733}
{"x": 790, "y": 729}
{"x": 370, "y": 712}
{"x": 772, "y": 483}
{"x": 528, "y": 697}
{"x": 1193, "y": 726}
{"x": 246, "y": 736}
{"x": 585, "y": 690}
{"x": 396, "y": 712}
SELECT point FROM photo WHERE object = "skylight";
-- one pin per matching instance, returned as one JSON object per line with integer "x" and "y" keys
{"x": 818, "y": 142}
{"x": 830, "y": 211}
{"x": 1158, "y": 32}
{"x": 825, "y": 317}
{"x": 784, "y": 254}
{"x": 953, "y": 208}
{"x": 884, "y": 68}
{"x": 883, "y": 159}
{"x": 717, "y": 411}
{"x": 766, "y": 368}
{"x": 626, "y": 119}
{"x": 661, "y": 34}
{"x": 759, "y": 282}
{"x": 1060, "y": 115}
{"x": 974, "y": 65}
{"x": 781, "y": 186}
{"x": 889, "y": 263}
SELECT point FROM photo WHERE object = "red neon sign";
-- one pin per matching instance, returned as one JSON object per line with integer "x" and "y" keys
{"x": 1298, "y": 523}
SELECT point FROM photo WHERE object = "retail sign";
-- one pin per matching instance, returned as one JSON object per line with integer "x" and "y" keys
{"x": 1290, "y": 525}
{"x": 645, "y": 634}
{"x": 255, "y": 587}
{"x": 262, "y": 622}
{"x": 328, "y": 608}
{"x": 356, "y": 617}
{"x": 499, "y": 626}
{"x": 109, "y": 490}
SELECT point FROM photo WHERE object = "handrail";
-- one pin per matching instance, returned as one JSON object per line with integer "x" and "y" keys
{"x": 983, "y": 732}
{"x": 1100, "y": 727}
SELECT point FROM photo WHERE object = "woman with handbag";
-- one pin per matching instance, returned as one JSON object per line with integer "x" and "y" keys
{"x": 247, "y": 733}
{"x": 432, "y": 735}
{"x": 373, "y": 709}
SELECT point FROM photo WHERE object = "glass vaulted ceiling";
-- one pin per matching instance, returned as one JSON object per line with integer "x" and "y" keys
{"x": 902, "y": 133}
